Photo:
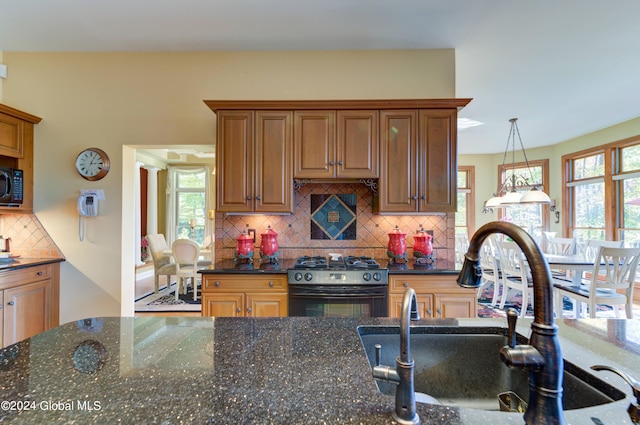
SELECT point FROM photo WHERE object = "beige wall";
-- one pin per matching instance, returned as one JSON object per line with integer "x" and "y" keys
{"x": 119, "y": 101}
{"x": 487, "y": 165}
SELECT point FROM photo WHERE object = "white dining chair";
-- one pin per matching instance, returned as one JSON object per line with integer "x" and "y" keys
{"x": 490, "y": 264}
{"x": 461, "y": 246}
{"x": 185, "y": 255}
{"x": 162, "y": 264}
{"x": 593, "y": 246}
{"x": 611, "y": 282}
{"x": 515, "y": 274}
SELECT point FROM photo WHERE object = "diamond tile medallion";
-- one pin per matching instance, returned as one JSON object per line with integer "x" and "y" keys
{"x": 333, "y": 216}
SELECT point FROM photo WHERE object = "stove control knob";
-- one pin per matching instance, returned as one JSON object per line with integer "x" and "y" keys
{"x": 308, "y": 276}
{"x": 377, "y": 276}
{"x": 366, "y": 277}
{"x": 297, "y": 276}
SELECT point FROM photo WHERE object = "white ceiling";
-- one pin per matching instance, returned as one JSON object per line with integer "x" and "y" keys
{"x": 564, "y": 68}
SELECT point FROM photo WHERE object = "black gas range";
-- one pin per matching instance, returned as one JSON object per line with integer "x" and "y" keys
{"x": 347, "y": 287}
{"x": 349, "y": 270}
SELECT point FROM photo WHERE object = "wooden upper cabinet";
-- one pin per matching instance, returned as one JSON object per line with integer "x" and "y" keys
{"x": 419, "y": 164}
{"x": 314, "y": 144}
{"x": 336, "y": 144}
{"x": 16, "y": 151}
{"x": 398, "y": 159}
{"x": 253, "y": 157}
{"x": 357, "y": 144}
{"x": 273, "y": 159}
{"x": 11, "y": 136}
{"x": 234, "y": 161}
{"x": 438, "y": 159}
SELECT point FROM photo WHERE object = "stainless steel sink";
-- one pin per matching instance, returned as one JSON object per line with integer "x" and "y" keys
{"x": 461, "y": 366}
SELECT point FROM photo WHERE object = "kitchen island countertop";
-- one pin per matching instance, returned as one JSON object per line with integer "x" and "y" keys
{"x": 182, "y": 370}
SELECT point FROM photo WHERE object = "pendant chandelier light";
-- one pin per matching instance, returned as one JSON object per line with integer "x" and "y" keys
{"x": 508, "y": 192}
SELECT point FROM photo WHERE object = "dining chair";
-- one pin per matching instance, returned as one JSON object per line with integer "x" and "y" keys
{"x": 162, "y": 264}
{"x": 593, "y": 246}
{"x": 490, "y": 264}
{"x": 185, "y": 254}
{"x": 515, "y": 274}
{"x": 611, "y": 282}
{"x": 461, "y": 246}
{"x": 561, "y": 246}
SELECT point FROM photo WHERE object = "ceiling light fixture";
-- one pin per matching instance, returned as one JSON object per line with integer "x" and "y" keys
{"x": 512, "y": 189}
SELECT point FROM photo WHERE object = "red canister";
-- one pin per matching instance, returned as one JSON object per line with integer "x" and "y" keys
{"x": 269, "y": 243}
{"x": 244, "y": 247}
{"x": 422, "y": 245}
{"x": 397, "y": 247}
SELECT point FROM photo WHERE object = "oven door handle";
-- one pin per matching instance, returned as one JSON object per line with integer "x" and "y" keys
{"x": 338, "y": 293}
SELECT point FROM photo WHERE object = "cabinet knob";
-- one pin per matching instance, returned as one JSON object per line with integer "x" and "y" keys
{"x": 239, "y": 310}
{"x": 271, "y": 283}
{"x": 248, "y": 309}
{"x": 216, "y": 283}
{"x": 439, "y": 311}
{"x": 429, "y": 312}
{"x": 423, "y": 197}
{"x": 331, "y": 162}
{"x": 414, "y": 197}
{"x": 339, "y": 162}
{"x": 11, "y": 303}
{"x": 258, "y": 198}
{"x": 39, "y": 273}
{"x": 406, "y": 284}
{"x": 248, "y": 198}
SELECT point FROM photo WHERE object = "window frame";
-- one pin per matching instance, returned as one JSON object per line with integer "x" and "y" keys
{"x": 544, "y": 163}
{"x": 469, "y": 191}
{"x": 613, "y": 185}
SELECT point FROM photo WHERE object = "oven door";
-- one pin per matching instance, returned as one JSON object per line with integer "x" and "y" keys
{"x": 338, "y": 300}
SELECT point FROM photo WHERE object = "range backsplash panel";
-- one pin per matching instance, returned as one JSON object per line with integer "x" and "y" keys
{"x": 333, "y": 216}
{"x": 294, "y": 231}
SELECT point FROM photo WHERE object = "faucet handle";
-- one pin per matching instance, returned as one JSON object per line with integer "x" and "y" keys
{"x": 512, "y": 319}
{"x": 378, "y": 348}
{"x": 634, "y": 409}
{"x": 414, "y": 309}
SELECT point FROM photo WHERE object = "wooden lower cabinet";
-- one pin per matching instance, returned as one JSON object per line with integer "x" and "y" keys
{"x": 237, "y": 295}
{"x": 439, "y": 296}
{"x": 30, "y": 301}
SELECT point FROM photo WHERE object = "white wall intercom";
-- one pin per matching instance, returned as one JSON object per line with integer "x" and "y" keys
{"x": 88, "y": 207}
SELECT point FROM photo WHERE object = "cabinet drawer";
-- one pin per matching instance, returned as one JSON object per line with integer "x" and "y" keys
{"x": 244, "y": 282}
{"x": 432, "y": 283}
{"x": 13, "y": 278}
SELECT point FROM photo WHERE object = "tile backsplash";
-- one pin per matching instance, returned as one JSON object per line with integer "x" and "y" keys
{"x": 28, "y": 238}
{"x": 294, "y": 231}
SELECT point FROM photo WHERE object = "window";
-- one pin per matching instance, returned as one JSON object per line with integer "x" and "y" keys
{"x": 188, "y": 203}
{"x": 602, "y": 195}
{"x": 531, "y": 217}
{"x": 465, "y": 214}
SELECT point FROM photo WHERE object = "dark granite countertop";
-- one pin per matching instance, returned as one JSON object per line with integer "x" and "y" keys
{"x": 182, "y": 370}
{"x": 255, "y": 266}
{"x": 21, "y": 263}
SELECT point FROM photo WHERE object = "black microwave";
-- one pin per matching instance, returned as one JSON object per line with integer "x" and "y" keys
{"x": 11, "y": 187}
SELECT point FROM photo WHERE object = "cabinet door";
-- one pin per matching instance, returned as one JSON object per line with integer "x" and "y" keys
{"x": 314, "y": 144}
{"x": 267, "y": 305}
{"x": 438, "y": 160}
{"x": 398, "y": 178}
{"x": 234, "y": 161}
{"x": 455, "y": 306}
{"x": 26, "y": 311}
{"x": 357, "y": 144}
{"x": 11, "y": 136}
{"x": 425, "y": 305}
{"x": 223, "y": 305}
{"x": 273, "y": 161}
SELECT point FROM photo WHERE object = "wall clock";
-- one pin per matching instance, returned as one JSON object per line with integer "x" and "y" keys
{"x": 92, "y": 164}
